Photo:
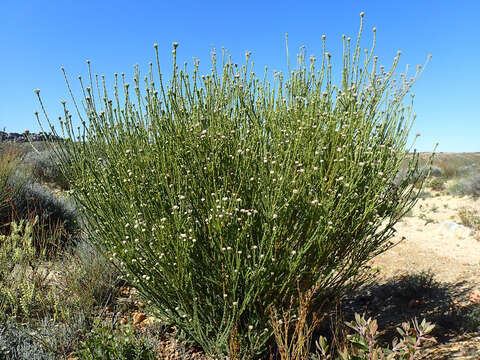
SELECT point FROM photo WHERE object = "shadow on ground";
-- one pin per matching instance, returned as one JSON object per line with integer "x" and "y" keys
{"x": 420, "y": 296}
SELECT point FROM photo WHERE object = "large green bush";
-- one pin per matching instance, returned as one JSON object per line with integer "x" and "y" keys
{"x": 216, "y": 193}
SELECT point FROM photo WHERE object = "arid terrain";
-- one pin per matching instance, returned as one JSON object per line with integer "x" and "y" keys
{"x": 434, "y": 272}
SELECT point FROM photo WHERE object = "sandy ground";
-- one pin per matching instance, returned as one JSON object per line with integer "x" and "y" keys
{"x": 436, "y": 241}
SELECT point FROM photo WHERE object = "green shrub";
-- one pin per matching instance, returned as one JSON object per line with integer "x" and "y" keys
{"x": 437, "y": 184}
{"x": 470, "y": 218}
{"x": 216, "y": 193}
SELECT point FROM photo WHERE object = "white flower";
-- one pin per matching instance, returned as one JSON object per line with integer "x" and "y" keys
{"x": 250, "y": 327}
{"x": 295, "y": 191}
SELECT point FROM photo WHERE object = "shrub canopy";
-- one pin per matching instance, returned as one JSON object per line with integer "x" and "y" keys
{"x": 217, "y": 193}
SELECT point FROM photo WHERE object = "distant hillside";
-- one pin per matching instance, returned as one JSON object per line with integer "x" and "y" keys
{"x": 25, "y": 137}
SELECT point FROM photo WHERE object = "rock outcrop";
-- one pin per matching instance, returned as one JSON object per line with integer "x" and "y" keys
{"x": 26, "y": 136}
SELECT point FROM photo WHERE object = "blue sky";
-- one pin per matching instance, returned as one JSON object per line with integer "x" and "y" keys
{"x": 38, "y": 37}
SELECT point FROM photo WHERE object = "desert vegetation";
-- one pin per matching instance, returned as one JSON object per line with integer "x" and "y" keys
{"x": 218, "y": 216}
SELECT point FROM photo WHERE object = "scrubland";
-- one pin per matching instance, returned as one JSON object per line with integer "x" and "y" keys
{"x": 222, "y": 217}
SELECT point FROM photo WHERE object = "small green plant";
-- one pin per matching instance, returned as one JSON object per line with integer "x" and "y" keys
{"x": 363, "y": 344}
{"x": 428, "y": 220}
{"x": 437, "y": 184}
{"x": 470, "y": 218}
{"x": 121, "y": 343}
{"x": 21, "y": 278}
{"x": 56, "y": 223}
{"x": 214, "y": 194}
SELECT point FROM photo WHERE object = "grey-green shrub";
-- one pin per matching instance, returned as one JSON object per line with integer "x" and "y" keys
{"x": 57, "y": 215}
{"x": 89, "y": 280}
{"x": 39, "y": 200}
{"x": 217, "y": 192}
{"x": 437, "y": 184}
{"x": 467, "y": 186}
{"x": 43, "y": 165}
{"x": 17, "y": 343}
{"x": 432, "y": 170}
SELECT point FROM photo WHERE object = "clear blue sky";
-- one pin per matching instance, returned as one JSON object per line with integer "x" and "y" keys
{"x": 37, "y": 37}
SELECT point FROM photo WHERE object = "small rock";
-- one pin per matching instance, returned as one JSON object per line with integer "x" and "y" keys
{"x": 474, "y": 296}
{"x": 138, "y": 317}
